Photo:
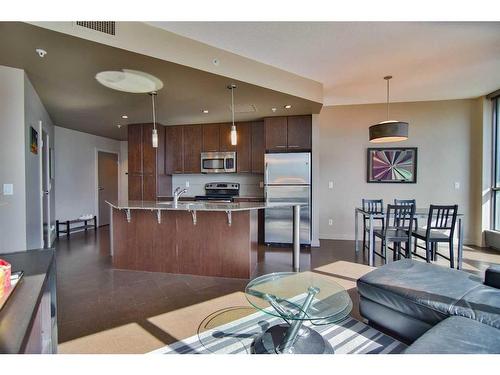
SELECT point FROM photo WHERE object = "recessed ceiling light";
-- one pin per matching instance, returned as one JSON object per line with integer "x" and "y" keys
{"x": 273, "y": 109}
{"x": 124, "y": 116}
{"x": 205, "y": 111}
{"x": 288, "y": 106}
{"x": 118, "y": 126}
{"x": 128, "y": 80}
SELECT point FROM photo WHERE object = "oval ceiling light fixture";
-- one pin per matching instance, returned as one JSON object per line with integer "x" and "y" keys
{"x": 390, "y": 130}
{"x": 288, "y": 106}
{"x": 127, "y": 80}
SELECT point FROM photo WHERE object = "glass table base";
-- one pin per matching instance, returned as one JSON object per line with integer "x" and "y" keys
{"x": 308, "y": 341}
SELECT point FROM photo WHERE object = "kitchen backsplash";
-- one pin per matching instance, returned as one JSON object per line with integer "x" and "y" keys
{"x": 250, "y": 184}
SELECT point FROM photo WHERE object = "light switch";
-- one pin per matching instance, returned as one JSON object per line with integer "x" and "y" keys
{"x": 330, "y": 184}
{"x": 457, "y": 185}
{"x": 330, "y": 221}
{"x": 187, "y": 184}
{"x": 8, "y": 189}
{"x": 261, "y": 184}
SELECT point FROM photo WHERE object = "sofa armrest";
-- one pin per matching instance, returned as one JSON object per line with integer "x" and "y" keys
{"x": 492, "y": 277}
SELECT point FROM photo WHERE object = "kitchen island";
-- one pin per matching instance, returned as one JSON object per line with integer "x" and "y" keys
{"x": 197, "y": 238}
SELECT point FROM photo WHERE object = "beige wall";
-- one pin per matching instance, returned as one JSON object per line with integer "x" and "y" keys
{"x": 448, "y": 135}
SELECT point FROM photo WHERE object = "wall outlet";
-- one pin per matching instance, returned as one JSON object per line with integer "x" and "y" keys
{"x": 261, "y": 184}
{"x": 330, "y": 184}
{"x": 187, "y": 184}
{"x": 330, "y": 221}
{"x": 8, "y": 189}
{"x": 457, "y": 185}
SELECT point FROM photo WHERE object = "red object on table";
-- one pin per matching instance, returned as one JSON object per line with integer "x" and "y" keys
{"x": 5, "y": 270}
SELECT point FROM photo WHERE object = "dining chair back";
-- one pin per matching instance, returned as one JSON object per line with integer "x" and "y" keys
{"x": 442, "y": 218}
{"x": 375, "y": 206}
{"x": 400, "y": 217}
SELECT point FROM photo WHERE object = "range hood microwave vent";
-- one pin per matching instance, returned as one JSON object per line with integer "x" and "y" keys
{"x": 244, "y": 108}
{"x": 106, "y": 27}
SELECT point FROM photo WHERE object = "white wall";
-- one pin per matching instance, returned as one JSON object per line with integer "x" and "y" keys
{"x": 250, "y": 184}
{"x": 12, "y": 153}
{"x": 76, "y": 179}
{"x": 34, "y": 112}
{"x": 442, "y": 131}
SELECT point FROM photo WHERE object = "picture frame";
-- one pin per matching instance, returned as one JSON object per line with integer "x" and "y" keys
{"x": 392, "y": 165}
{"x": 34, "y": 141}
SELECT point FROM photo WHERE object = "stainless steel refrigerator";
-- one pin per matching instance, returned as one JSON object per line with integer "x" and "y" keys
{"x": 287, "y": 178}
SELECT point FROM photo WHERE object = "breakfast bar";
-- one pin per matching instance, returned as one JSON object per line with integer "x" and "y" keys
{"x": 197, "y": 238}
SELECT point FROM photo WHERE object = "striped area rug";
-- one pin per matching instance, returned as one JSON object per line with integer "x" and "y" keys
{"x": 347, "y": 337}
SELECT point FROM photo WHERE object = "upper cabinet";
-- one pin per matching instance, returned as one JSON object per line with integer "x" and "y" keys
{"x": 275, "y": 131}
{"x": 192, "y": 145}
{"x": 299, "y": 133}
{"x": 211, "y": 138}
{"x": 174, "y": 154}
{"x": 258, "y": 147}
{"x": 244, "y": 147}
{"x": 225, "y": 137}
{"x": 288, "y": 134}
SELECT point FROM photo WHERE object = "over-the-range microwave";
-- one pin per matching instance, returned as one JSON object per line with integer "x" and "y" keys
{"x": 218, "y": 162}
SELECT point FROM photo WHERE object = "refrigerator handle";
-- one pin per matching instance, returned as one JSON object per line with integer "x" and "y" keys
{"x": 266, "y": 178}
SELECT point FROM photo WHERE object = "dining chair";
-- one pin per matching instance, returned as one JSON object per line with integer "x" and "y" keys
{"x": 398, "y": 229}
{"x": 405, "y": 202}
{"x": 375, "y": 206}
{"x": 440, "y": 229}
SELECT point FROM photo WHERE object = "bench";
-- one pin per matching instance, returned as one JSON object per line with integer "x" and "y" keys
{"x": 87, "y": 224}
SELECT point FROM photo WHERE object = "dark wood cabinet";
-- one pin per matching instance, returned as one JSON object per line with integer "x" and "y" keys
{"x": 174, "y": 153}
{"x": 163, "y": 180}
{"x": 143, "y": 161}
{"x": 288, "y": 134}
{"x": 148, "y": 151}
{"x": 134, "y": 186}
{"x": 299, "y": 133}
{"x": 258, "y": 147}
{"x": 275, "y": 130}
{"x": 244, "y": 147}
{"x": 192, "y": 148}
{"x": 225, "y": 137}
{"x": 134, "y": 149}
{"x": 149, "y": 187}
{"x": 211, "y": 137}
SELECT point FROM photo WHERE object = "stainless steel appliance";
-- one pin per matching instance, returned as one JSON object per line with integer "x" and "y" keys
{"x": 287, "y": 179}
{"x": 220, "y": 192}
{"x": 218, "y": 162}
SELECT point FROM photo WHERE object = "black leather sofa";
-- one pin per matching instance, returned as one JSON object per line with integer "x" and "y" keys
{"x": 435, "y": 309}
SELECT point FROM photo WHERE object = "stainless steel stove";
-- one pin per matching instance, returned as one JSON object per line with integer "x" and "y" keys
{"x": 220, "y": 192}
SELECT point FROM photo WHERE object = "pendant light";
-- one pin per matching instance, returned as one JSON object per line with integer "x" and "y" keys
{"x": 155, "y": 132}
{"x": 234, "y": 136}
{"x": 390, "y": 130}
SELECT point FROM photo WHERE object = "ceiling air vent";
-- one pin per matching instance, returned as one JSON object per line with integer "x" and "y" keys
{"x": 244, "y": 108}
{"x": 107, "y": 27}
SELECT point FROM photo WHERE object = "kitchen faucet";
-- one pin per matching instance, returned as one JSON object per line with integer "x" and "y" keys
{"x": 177, "y": 193}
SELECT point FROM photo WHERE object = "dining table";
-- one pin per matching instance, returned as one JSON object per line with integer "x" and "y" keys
{"x": 419, "y": 213}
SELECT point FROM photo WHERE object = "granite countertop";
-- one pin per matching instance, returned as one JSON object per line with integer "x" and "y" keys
{"x": 194, "y": 205}
{"x": 17, "y": 315}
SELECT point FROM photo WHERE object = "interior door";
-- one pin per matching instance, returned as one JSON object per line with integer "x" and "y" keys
{"x": 107, "y": 171}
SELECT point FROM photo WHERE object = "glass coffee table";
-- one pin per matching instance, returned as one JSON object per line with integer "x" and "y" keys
{"x": 296, "y": 298}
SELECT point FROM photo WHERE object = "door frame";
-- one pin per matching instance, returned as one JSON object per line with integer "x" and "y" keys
{"x": 40, "y": 176}
{"x": 96, "y": 176}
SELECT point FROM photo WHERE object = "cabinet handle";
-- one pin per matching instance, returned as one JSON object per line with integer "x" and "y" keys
{"x": 280, "y": 146}
{"x": 293, "y": 146}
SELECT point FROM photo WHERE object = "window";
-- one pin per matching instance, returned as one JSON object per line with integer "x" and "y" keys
{"x": 496, "y": 163}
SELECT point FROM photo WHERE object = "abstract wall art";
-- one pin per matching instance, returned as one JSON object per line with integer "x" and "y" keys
{"x": 392, "y": 165}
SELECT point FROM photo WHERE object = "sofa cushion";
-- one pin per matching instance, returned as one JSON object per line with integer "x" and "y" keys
{"x": 429, "y": 292}
{"x": 457, "y": 335}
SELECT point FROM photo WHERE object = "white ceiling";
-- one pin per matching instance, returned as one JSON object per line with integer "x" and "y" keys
{"x": 428, "y": 60}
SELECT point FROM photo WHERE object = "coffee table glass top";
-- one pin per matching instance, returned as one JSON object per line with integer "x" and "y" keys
{"x": 299, "y": 296}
